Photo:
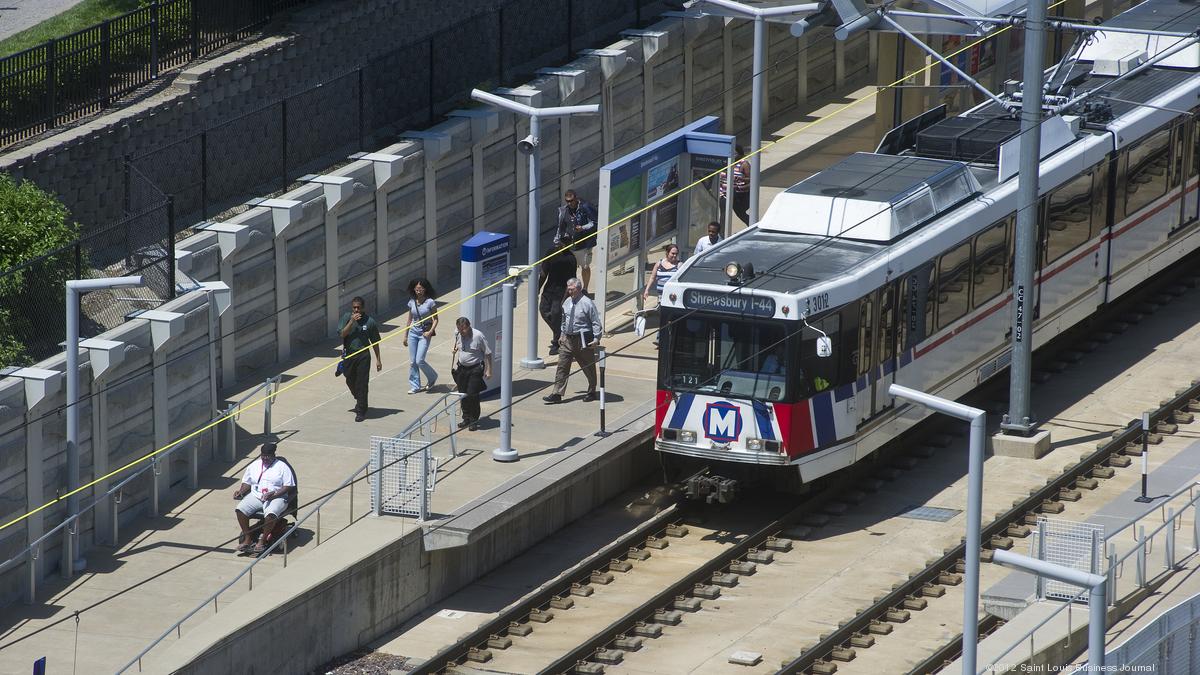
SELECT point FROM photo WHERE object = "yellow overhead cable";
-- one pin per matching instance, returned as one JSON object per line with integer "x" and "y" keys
{"x": 439, "y": 311}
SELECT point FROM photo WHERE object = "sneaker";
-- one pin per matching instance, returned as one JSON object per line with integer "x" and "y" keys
{"x": 414, "y": 390}
{"x": 431, "y": 384}
{"x": 553, "y": 351}
{"x": 464, "y": 424}
{"x": 474, "y": 426}
{"x": 359, "y": 417}
{"x": 552, "y": 398}
{"x": 591, "y": 396}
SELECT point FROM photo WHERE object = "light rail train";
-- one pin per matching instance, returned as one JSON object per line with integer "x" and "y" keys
{"x": 778, "y": 344}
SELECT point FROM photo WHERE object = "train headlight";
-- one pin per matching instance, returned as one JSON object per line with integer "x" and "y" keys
{"x": 755, "y": 444}
{"x": 687, "y": 436}
{"x": 733, "y": 271}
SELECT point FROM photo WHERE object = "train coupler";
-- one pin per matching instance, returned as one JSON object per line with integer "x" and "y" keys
{"x": 711, "y": 489}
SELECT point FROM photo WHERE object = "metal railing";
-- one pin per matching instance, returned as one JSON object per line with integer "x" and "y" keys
{"x": 69, "y": 528}
{"x": 424, "y": 426}
{"x": 1141, "y": 549}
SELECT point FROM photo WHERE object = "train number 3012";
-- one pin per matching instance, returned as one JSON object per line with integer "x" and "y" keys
{"x": 816, "y": 303}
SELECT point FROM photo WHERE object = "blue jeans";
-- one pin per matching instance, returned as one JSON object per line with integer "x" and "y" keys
{"x": 418, "y": 345}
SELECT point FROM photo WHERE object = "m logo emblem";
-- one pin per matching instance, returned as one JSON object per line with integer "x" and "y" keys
{"x": 722, "y": 422}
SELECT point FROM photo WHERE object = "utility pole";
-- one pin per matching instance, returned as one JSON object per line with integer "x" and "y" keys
{"x": 1019, "y": 420}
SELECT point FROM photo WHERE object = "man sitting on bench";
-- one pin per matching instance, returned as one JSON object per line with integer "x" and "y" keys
{"x": 263, "y": 493}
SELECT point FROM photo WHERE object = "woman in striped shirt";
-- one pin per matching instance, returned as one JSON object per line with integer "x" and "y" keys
{"x": 741, "y": 187}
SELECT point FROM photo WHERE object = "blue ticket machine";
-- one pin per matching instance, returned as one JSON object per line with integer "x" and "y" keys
{"x": 485, "y": 262}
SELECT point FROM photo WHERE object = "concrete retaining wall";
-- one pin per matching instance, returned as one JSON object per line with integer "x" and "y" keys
{"x": 154, "y": 382}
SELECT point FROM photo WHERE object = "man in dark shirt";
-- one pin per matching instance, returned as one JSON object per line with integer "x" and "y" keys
{"x": 358, "y": 332}
{"x": 555, "y": 273}
{"x": 577, "y": 223}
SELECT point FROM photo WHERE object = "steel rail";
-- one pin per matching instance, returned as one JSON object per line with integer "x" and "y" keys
{"x": 949, "y": 561}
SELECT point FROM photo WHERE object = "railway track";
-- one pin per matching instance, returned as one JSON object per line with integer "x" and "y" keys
{"x": 628, "y": 630}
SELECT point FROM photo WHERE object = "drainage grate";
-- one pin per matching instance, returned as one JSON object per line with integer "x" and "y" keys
{"x": 934, "y": 513}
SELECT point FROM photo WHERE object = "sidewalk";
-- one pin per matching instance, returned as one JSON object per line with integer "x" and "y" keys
{"x": 129, "y": 596}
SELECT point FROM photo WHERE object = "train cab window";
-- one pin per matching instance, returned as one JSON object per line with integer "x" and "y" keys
{"x": 990, "y": 262}
{"x": 1069, "y": 217}
{"x": 818, "y": 373}
{"x": 954, "y": 284}
{"x": 1145, "y": 167}
{"x": 729, "y": 357}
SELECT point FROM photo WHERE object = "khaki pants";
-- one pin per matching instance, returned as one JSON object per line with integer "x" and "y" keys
{"x": 571, "y": 349}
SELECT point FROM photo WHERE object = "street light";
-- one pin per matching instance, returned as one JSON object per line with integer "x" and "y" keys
{"x": 530, "y": 145}
{"x": 978, "y": 419}
{"x": 75, "y": 288}
{"x": 759, "y": 15}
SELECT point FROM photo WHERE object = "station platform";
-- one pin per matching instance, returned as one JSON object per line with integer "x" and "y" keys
{"x": 129, "y": 596}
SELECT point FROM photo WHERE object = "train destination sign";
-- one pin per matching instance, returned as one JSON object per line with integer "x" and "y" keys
{"x": 718, "y": 301}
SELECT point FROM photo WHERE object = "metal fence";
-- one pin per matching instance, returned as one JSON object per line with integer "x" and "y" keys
{"x": 33, "y": 293}
{"x": 1079, "y": 546}
{"x": 215, "y": 171}
{"x": 78, "y": 74}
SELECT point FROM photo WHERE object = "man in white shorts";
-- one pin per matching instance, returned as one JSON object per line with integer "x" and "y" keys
{"x": 263, "y": 492}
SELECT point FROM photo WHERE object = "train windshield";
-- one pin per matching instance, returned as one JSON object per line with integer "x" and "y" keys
{"x": 727, "y": 357}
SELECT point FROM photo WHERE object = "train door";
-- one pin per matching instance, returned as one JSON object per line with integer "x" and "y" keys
{"x": 887, "y": 335}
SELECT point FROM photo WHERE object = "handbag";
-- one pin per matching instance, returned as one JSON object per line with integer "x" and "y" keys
{"x": 341, "y": 366}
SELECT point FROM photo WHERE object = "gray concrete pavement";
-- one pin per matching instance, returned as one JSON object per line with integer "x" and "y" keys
{"x": 17, "y": 15}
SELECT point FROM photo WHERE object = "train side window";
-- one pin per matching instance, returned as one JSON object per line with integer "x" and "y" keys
{"x": 954, "y": 284}
{"x": 1146, "y": 166}
{"x": 1099, "y": 199}
{"x": 866, "y": 334}
{"x": 1069, "y": 217}
{"x": 990, "y": 263}
{"x": 915, "y": 307}
{"x": 887, "y": 323}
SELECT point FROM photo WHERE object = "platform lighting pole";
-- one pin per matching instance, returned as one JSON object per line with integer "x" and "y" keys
{"x": 505, "y": 452}
{"x": 978, "y": 419}
{"x": 530, "y": 145}
{"x": 72, "y": 558}
{"x": 1019, "y": 420}
{"x": 1097, "y": 599}
{"x": 759, "y": 15}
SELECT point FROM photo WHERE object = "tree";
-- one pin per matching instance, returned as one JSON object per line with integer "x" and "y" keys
{"x": 33, "y": 223}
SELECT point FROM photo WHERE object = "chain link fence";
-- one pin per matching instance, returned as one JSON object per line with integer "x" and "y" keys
{"x": 33, "y": 294}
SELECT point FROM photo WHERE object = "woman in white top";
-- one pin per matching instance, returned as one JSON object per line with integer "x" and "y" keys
{"x": 663, "y": 270}
{"x": 422, "y": 326}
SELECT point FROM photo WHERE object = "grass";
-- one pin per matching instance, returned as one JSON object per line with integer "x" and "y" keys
{"x": 83, "y": 15}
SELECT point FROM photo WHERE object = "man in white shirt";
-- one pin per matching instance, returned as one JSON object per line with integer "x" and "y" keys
{"x": 707, "y": 242}
{"x": 578, "y": 343}
{"x": 263, "y": 492}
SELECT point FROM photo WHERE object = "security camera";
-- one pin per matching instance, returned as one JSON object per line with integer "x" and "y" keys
{"x": 527, "y": 145}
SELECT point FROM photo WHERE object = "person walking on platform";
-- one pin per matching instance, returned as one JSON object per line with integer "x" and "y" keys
{"x": 580, "y": 338}
{"x": 710, "y": 240}
{"x": 555, "y": 273}
{"x": 359, "y": 330}
{"x": 663, "y": 271}
{"x": 422, "y": 325}
{"x": 741, "y": 187}
{"x": 576, "y": 223}
{"x": 471, "y": 364}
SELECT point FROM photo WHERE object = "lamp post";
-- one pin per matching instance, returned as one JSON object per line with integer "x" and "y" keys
{"x": 75, "y": 288}
{"x": 978, "y": 419}
{"x": 759, "y": 15}
{"x": 530, "y": 145}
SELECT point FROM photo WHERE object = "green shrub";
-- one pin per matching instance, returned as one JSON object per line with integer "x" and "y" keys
{"x": 32, "y": 224}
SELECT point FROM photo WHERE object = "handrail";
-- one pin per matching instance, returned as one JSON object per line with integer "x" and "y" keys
{"x": 1112, "y": 570}
{"x": 28, "y": 553}
{"x": 416, "y": 425}
{"x": 176, "y": 627}
{"x": 419, "y": 424}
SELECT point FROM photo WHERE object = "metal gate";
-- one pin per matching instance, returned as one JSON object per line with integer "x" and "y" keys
{"x": 406, "y": 480}
{"x": 1076, "y": 545}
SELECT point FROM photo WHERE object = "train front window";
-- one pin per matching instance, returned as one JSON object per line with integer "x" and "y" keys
{"x": 728, "y": 357}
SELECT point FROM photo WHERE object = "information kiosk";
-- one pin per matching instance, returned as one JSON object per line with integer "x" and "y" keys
{"x": 484, "y": 263}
